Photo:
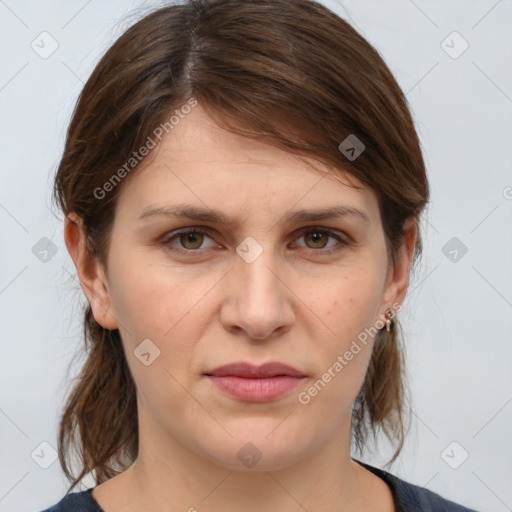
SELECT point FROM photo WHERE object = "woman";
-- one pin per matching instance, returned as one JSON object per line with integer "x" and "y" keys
{"x": 242, "y": 185}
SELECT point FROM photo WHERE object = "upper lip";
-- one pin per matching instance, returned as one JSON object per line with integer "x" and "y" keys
{"x": 250, "y": 371}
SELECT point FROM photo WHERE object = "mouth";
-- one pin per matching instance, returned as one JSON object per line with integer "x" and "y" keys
{"x": 249, "y": 383}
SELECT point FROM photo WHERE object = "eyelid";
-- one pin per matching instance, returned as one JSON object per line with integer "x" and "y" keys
{"x": 202, "y": 230}
{"x": 342, "y": 238}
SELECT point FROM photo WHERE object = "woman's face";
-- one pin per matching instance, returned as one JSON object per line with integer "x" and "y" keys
{"x": 254, "y": 288}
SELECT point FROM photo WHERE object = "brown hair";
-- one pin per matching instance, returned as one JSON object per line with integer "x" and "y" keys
{"x": 292, "y": 74}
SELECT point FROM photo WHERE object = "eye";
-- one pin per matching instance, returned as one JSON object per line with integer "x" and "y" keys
{"x": 190, "y": 240}
{"x": 317, "y": 240}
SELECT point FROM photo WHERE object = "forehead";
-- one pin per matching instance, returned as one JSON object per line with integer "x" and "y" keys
{"x": 200, "y": 163}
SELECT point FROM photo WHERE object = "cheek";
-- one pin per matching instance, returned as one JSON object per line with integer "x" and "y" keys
{"x": 153, "y": 304}
{"x": 350, "y": 304}
{"x": 151, "y": 300}
{"x": 165, "y": 305}
{"x": 349, "y": 308}
{"x": 343, "y": 356}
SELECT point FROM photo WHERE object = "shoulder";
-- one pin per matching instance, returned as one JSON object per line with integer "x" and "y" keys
{"x": 413, "y": 498}
{"x": 76, "y": 502}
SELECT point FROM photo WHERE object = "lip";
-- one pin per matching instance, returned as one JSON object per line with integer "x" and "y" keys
{"x": 250, "y": 371}
{"x": 251, "y": 383}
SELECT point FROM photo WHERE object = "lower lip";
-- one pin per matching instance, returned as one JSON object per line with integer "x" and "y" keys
{"x": 256, "y": 390}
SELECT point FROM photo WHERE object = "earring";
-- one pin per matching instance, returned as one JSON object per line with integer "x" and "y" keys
{"x": 389, "y": 315}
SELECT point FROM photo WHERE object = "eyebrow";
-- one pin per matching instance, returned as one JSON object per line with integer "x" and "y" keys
{"x": 201, "y": 214}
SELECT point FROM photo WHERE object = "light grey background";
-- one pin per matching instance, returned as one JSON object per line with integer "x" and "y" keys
{"x": 457, "y": 316}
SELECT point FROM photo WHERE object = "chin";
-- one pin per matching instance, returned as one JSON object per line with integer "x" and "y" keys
{"x": 259, "y": 448}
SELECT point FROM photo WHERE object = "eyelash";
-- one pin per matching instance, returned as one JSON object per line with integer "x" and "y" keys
{"x": 342, "y": 243}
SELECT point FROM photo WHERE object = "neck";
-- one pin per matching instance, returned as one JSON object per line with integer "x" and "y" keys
{"x": 178, "y": 479}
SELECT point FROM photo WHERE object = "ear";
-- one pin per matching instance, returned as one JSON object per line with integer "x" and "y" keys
{"x": 398, "y": 279}
{"x": 90, "y": 272}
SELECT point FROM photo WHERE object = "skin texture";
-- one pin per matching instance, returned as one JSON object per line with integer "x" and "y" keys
{"x": 293, "y": 304}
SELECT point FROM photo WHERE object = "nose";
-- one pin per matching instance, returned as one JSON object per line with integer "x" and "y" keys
{"x": 258, "y": 301}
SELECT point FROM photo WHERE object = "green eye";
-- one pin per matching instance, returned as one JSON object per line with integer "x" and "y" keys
{"x": 317, "y": 239}
{"x": 194, "y": 238}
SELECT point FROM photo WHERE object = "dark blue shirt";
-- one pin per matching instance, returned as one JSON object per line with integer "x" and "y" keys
{"x": 408, "y": 498}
